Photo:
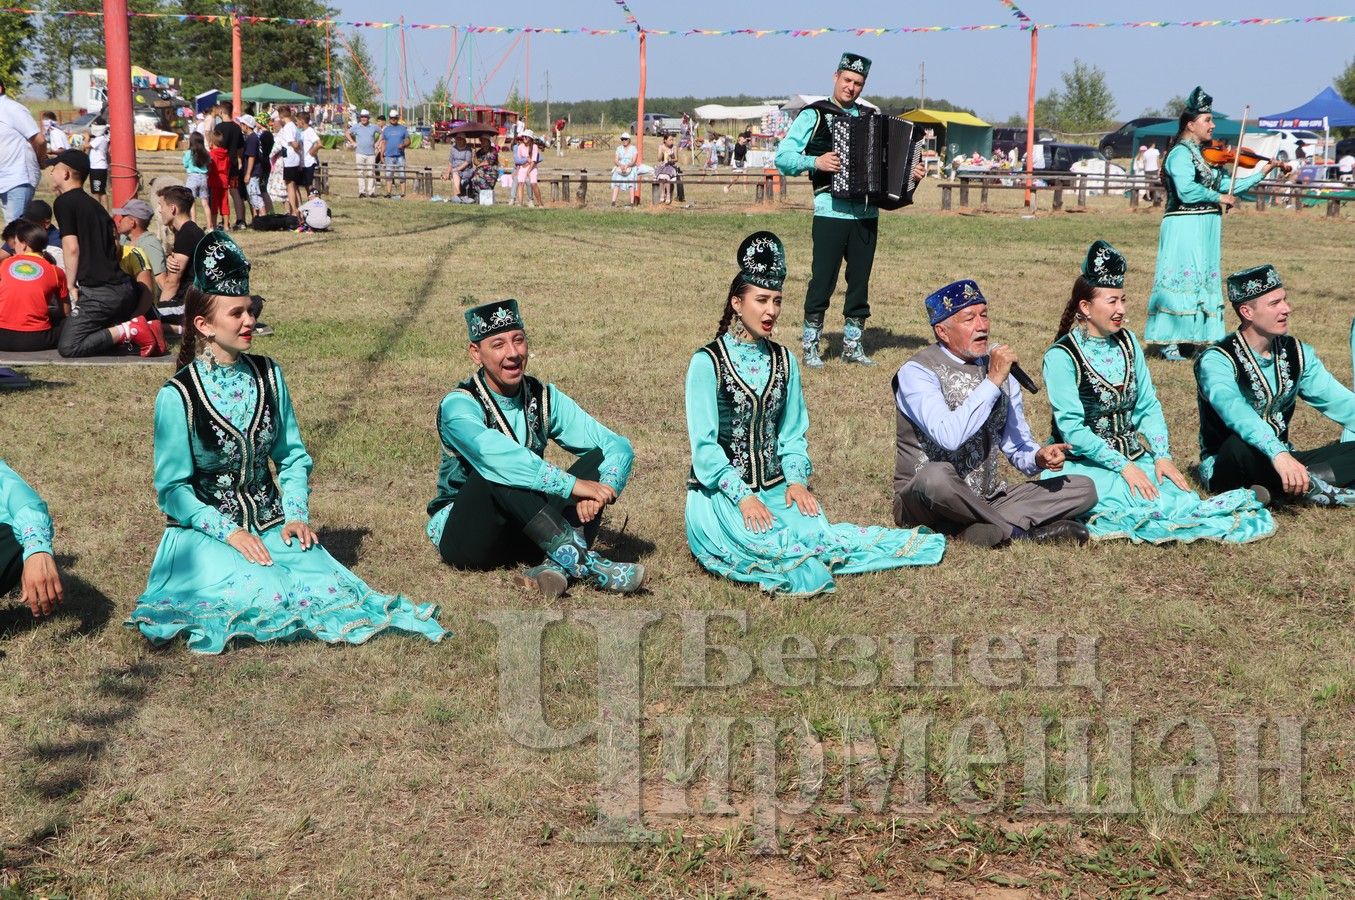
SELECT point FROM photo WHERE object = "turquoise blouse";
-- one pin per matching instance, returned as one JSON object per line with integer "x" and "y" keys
{"x": 504, "y": 460}
{"x": 24, "y": 512}
{"x": 233, "y": 393}
{"x": 1182, "y": 162}
{"x": 1060, "y": 375}
{"x": 1218, "y": 383}
{"x": 710, "y": 463}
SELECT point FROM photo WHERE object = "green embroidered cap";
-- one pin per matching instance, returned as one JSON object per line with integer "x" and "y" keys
{"x": 1104, "y": 266}
{"x": 762, "y": 260}
{"x": 1199, "y": 102}
{"x": 854, "y": 62}
{"x": 1252, "y": 283}
{"x": 494, "y": 318}
{"x": 220, "y": 267}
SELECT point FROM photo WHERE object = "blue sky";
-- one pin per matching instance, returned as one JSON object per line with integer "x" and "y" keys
{"x": 1271, "y": 67}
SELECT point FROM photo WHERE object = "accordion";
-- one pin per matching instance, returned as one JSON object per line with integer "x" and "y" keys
{"x": 877, "y": 155}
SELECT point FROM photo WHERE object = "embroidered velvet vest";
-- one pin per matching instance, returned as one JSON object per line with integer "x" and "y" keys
{"x": 1107, "y": 408}
{"x": 1274, "y": 405}
{"x": 821, "y": 140}
{"x": 230, "y": 467}
{"x": 976, "y": 460}
{"x": 1205, "y": 175}
{"x": 453, "y": 471}
{"x": 750, "y": 422}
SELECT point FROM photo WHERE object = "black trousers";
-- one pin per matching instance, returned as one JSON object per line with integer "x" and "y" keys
{"x": 102, "y": 306}
{"x": 11, "y": 560}
{"x": 834, "y": 241}
{"x": 29, "y": 341}
{"x": 484, "y": 530}
{"x": 1240, "y": 465}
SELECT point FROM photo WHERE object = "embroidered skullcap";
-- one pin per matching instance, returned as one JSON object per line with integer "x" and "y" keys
{"x": 952, "y": 298}
{"x": 220, "y": 267}
{"x": 1252, "y": 283}
{"x": 762, "y": 260}
{"x": 854, "y": 62}
{"x": 494, "y": 318}
{"x": 1104, "y": 266}
{"x": 1199, "y": 102}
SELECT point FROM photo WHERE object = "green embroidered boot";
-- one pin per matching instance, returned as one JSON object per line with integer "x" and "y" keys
{"x": 852, "y": 332}
{"x": 565, "y": 546}
{"x": 1322, "y": 492}
{"x": 809, "y": 340}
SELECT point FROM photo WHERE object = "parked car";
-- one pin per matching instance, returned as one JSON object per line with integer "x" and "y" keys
{"x": 1005, "y": 138}
{"x": 80, "y": 123}
{"x": 1061, "y": 157}
{"x": 1289, "y": 144}
{"x": 1345, "y": 148}
{"x": 1119, "y": 144}
{"x": 660, "y": 124}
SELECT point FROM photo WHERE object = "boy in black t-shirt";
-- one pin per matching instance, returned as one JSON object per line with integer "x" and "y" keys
{"x": 102, "y": 296}
{"x": 176, "y": 206}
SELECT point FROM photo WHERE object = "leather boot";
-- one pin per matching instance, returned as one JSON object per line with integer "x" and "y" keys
{"x": 566, "y": 547}
{"x": 852, "y": 332}
{"x": 809, "y": 341}
{"x": 1323, "y": 492}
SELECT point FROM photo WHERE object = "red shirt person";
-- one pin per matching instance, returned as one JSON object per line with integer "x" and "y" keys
{"x": 33, "y": 293}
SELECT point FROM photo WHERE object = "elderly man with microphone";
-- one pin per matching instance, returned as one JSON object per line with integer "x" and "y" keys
{"x": 958, "y": 408}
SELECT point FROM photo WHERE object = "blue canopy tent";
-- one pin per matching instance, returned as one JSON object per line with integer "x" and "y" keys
{"x": 1324, "y": 112}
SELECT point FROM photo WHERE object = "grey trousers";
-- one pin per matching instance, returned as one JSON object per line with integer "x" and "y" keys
{"x": 101, "y": 306}
{"x": 938, "y": 498}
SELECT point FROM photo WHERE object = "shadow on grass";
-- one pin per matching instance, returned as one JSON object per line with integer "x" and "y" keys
{"x": 620, "y": 545}
{"x": 89, "y": 606}
{"x": 304, "y": 243}
{"x": 344, "y": 543}
{"x": 878, "y": 339}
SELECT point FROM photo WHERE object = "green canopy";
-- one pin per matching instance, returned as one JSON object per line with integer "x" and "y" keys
{"x": 1225, "y": 129}
{"x": 269, "y": 93}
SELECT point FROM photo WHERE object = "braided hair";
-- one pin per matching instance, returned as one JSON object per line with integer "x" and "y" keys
{"x": 737, "y": 288}
{"x": 195, "y": 303}
{"x": 1082, "y": 290}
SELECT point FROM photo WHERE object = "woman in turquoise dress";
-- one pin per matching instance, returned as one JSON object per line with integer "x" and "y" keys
{"x": 1106, "y": 409}
{"x": 750, "y": 514}
{"x": 238, "y": 558}
{"x": 1186, "y": 306}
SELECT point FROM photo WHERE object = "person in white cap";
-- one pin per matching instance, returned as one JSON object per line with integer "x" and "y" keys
{"x": 526, "y": 159}
{"x": 623, "y": 175}
{"x": 394, "y": 140}
{"x": 363, "y": 136}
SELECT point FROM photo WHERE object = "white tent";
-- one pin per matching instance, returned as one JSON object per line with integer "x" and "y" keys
{"x": 716, "y": 112}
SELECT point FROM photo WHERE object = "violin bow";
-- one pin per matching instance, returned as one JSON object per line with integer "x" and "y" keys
{"x": 1237, "y": 154}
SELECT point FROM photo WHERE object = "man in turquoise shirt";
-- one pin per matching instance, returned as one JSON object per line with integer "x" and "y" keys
{"x": 499, "y": 501}
{"x": 1249, "y": 384}
{"x": 26, "y": 545}
{"x": 843, "y": 229}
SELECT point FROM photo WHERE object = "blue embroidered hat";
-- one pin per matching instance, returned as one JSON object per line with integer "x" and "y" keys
{"x": 494, "y": 318}
{"x": 1252, "y": 283}
{"x": 854, "y": 62}
{"x": 1104, "y": 266}
{"x": 762, "y": 260}
{"x": 1199, "y": 102}
{"x": 220, "y": 267}
{"x": 952, "y": 298}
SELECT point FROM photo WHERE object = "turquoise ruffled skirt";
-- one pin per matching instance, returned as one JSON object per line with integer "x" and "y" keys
{"x": 205, "y": 590}
{"x": 1235, "y": 517}
{"x": 1186, "y": 305}
{"x": 801, "y": 554}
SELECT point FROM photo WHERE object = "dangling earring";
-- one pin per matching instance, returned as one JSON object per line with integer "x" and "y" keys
{"x": 205, "y": 355}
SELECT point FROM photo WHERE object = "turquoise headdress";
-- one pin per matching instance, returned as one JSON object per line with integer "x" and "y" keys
{"x": 1199, "y": 102}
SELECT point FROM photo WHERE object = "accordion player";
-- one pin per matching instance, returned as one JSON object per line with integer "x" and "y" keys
{"x": 876, "y": 155}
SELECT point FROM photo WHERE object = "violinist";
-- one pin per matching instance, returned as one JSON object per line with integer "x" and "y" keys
{"x": 1185, "y": 309}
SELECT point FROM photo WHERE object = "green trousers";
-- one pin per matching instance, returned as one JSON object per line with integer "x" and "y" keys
{"x": 484, "y": 530}
{"x": 11, "y": 560}
{"x": 834, "y": 241}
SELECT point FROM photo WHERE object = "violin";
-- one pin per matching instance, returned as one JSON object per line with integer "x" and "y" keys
{"x": 1220, "y": 153}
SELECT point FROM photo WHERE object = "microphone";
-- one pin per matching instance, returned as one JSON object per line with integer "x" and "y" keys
{"x": 1026, "y": 382}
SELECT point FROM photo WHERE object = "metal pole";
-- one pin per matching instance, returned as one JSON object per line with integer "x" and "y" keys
{"x": 122, "y": 139}
{"x": 1030, "y": 115}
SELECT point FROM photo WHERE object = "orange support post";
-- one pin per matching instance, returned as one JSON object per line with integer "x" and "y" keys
{"x": 1030, "y": 114}
{"x": 122, "y": 138}
{"x": 640, "y": 118}
{"x": 237, "y": 70}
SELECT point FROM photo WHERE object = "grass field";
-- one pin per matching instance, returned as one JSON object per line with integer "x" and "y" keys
{"x": 388, "y": 769}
